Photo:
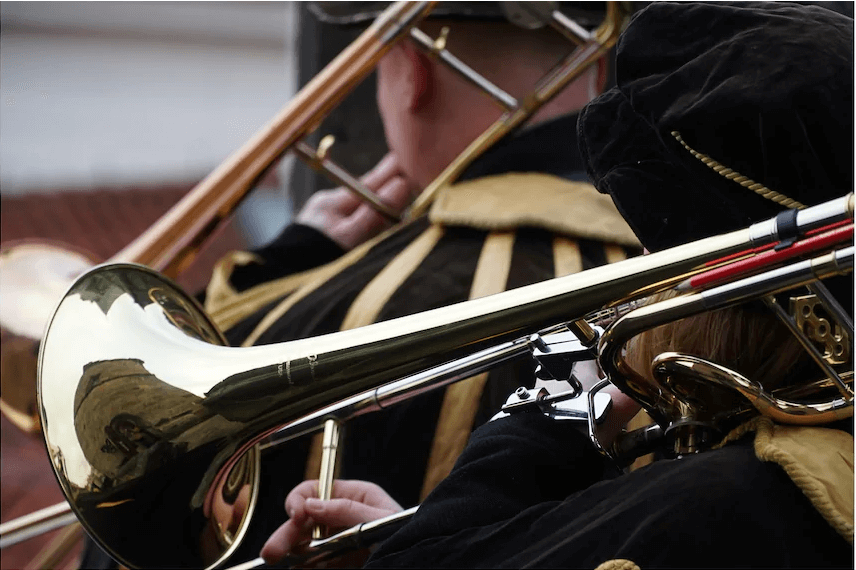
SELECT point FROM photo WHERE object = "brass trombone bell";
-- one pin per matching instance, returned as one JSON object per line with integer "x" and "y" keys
{"x": 152, "y": 425}
{"x": 171, "y": 243}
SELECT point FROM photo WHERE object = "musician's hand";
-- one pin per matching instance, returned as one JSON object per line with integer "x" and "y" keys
{"x": 353, "y": 502}
{"x": 345, "y": 218}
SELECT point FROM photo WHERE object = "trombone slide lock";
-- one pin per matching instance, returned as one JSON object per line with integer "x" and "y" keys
{"x": 571, "y": 405}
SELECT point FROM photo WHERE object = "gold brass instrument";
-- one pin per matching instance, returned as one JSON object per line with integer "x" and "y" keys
{"x": 152, "y": 425}
{"x": 172, "y": 242}
{"x": 155, "y": 429}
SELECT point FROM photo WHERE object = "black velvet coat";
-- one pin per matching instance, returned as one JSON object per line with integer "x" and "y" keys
{"x": 391, "y": 448}
{"x": 529, "y": 492}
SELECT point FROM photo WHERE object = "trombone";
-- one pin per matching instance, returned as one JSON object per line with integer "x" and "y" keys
{"x": 171, "y": 243}
{"x": 185, "y": 472}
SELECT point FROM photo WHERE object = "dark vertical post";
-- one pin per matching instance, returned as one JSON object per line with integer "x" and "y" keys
{"x": 356, "y": 124}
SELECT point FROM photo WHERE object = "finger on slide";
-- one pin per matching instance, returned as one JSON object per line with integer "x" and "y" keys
{"x": 338, "y": 513}
{"x": 382, "y": 172}
{"x": 282, "y": 541}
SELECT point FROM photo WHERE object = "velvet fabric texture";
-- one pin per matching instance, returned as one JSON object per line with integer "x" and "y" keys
{"x": 528, "y": 493}
{"x": 765, "y": 89}
{"x": 391, "y": 448}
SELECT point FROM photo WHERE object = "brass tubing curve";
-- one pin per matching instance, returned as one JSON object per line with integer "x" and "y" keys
{"x": 779, "y": 410}
{"x": 233, "y": 382}
{"x": 121, "y": 329}
{"x": 591, "y": 424}
{"x": 655, "y": 399}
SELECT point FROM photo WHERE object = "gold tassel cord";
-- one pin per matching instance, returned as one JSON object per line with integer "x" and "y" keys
{"x": 744, "y": 181}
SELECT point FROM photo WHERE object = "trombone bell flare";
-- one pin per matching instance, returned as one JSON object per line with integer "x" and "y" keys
{"x": 151, "y": 424}
{"x": 144, "y": 462}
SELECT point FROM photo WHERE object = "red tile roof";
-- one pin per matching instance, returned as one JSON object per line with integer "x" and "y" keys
{"x": 28, "y": 485}
{"x": 104, "y": 221}
{"x": 100, "y": 222}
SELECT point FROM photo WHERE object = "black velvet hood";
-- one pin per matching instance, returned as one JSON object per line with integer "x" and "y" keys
{"x": 765, "y": 89}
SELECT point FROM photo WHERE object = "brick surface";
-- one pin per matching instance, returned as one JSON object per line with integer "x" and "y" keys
{"x": 104, "y": 221}
{"x": 100, "y": 222}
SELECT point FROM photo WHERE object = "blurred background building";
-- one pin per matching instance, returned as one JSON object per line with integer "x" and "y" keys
{"x": 138, "y": 98}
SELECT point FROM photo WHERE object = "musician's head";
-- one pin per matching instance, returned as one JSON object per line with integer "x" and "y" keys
{"x": 430, "y": 113}
{"x": 709, "y": 132}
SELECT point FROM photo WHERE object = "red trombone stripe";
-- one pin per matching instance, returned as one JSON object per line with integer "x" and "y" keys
{"x": 811, "y": 244}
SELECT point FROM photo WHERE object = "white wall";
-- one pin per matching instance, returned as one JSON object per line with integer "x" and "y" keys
{"x": 96, "y": 94}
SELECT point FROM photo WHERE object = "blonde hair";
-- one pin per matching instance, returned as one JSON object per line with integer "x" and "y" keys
{"x": 748, "y": 339}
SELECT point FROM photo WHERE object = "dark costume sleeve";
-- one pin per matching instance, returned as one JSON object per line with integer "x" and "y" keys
{"x": 296, "y": 249}
{"x": 395, "y": 448}
{"x": 524, "y": 494}
{"x": 509, "y": 465}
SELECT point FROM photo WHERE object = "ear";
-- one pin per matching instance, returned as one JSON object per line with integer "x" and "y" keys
{"x": 421, "y": 71}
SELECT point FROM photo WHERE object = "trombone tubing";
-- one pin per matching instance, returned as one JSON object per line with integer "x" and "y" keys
{"x": 767, "y": 283}
{"x": 36, "y": 523}
{"x": 571, "y": 67}
{"x": 60, "y": 514}
{"x": 170, "y": 244}
{"x": 342, "y": 177}
{"x": 252, "y": 392}
{"x": 352, "y": 361}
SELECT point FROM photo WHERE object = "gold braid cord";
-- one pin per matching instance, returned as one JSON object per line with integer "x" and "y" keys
{"x": 618, "y": 564}
{"x": 744, "y": 181}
